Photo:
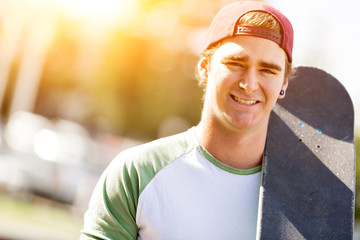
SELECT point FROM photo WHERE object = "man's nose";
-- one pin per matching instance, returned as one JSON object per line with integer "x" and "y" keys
{"x": 249, "y": 81}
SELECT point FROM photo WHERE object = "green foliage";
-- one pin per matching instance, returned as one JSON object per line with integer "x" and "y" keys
{"x": 130, "y": 84}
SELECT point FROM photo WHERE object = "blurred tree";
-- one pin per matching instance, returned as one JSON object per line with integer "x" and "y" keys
{"x": 130, "y": 78}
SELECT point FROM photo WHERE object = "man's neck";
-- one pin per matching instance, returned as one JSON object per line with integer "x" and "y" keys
{"x": 242, "y": 150}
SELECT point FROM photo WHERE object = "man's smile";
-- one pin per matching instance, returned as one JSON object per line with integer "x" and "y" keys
{"x": 243, "y": 101}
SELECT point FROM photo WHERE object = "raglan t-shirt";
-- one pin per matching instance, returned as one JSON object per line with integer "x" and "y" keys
{"x": 172, "y": 188}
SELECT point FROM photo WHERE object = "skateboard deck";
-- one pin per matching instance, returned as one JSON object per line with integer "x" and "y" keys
{"x": 308, "y": 179}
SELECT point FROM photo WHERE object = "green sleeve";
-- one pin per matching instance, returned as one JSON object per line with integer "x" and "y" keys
{"x": 112, "y": 208}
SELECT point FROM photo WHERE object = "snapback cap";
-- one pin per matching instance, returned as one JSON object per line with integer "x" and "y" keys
{"x": 225, "y": 25}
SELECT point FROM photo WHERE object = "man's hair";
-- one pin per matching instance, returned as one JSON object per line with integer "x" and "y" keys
{"x": 259, "y": 19}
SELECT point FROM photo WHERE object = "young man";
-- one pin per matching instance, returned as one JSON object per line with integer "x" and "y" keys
{"x": 204, "y": 183}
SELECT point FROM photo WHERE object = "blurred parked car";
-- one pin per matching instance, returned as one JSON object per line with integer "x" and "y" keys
{"x": 56, "y": 159}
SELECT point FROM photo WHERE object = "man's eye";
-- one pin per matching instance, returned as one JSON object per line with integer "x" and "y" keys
{"x": 268, "y": 71}
{"x": 235, "y": 64}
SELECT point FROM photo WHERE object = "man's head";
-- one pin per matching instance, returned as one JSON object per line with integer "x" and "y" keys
{"x": 245, "y": 65}
{"x": 250, "y": 19}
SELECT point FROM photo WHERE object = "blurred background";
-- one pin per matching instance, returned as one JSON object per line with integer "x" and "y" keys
{"x": 80, "y": 81}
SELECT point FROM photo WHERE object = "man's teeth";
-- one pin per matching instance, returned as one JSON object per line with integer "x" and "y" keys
{"x": 242, "y": 101}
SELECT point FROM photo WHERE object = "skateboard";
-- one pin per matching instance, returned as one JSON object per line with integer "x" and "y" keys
{"x": 308, "y": 177}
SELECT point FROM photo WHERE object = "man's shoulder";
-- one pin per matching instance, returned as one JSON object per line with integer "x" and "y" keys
{"x": 141, "y": 163}
{"x": 151, "y": 157}
{"x": 160, "y": 150}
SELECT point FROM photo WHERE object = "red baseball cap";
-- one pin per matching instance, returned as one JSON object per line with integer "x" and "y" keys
{"x": 224, "y": 25}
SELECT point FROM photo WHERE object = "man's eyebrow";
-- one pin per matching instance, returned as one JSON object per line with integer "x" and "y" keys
{"x": 236, "y": 58}
{"x": 270, "y": 66}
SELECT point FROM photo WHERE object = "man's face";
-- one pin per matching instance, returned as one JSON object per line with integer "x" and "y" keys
{"x": 244, "y": 79}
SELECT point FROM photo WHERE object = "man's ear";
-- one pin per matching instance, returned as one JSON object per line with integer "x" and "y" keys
{"x": 202, "y": 71}
{"x": 284, "y": 87}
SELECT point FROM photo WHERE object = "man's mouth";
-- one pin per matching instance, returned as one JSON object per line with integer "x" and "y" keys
{"x": 244, "y": 102}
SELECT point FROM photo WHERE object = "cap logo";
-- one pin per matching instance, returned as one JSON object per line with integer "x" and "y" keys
{"x": 259, "y": 32}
